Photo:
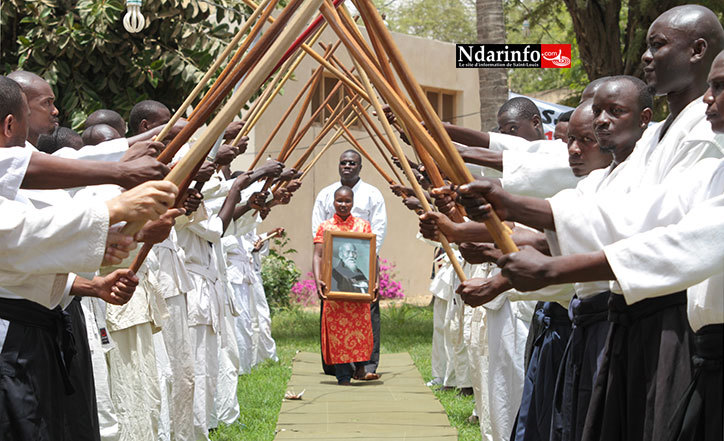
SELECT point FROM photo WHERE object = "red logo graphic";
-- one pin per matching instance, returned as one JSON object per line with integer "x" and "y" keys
{"x": 555, "y": 55}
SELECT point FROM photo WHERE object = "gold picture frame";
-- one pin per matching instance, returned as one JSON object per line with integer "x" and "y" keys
{"x": 349, "y": 262}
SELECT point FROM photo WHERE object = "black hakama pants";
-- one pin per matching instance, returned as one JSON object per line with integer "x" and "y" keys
{"x": 645, "y": 370}
{"x": 36, "y": 358}
{"x": 534, "y": 416}
{"x": 82, "y": 407}
{"x": 699, "y": 414}
{"x": 579, "y": 366}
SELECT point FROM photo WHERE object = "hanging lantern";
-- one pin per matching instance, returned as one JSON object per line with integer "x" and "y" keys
{"x": 134, "y": 20}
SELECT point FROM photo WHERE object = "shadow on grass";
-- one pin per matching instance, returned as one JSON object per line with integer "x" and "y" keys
{"x": 405, "y": 328}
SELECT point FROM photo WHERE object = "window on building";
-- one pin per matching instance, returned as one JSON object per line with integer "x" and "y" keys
{"x": 324, "y": 88}
{"x": 444, "y": 102}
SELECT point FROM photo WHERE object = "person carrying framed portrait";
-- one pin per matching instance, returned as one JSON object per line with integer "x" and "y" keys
{"x": 345, "y": 267}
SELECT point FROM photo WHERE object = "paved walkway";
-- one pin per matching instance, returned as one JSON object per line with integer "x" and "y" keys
{"x": 398, "y": 406}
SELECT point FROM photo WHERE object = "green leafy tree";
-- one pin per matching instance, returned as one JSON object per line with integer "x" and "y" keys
{"x": 608, "y": 36}
{"x": 83, "y": 50}
{"x": 444, "y": 20}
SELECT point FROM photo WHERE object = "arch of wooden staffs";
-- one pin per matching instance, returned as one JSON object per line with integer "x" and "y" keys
{"x": 252, "y": 65}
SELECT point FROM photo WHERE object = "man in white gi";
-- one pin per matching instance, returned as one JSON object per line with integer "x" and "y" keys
{"x": 370, "y": 206}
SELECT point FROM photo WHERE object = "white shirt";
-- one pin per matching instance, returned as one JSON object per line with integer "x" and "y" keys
{"x": 368, "y": 205}
{"x": 688, "y": 140}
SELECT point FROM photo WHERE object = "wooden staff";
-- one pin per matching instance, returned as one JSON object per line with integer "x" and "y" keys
{"x": 330, "y": 124}
{"x": 285, "y": 73}
{"x": 462, "y": 175}
{"x": 279, "y": 40}
{"x": 327, "y": 65}
{"x": 210, "y": 72}
{"x": 379, "y": 147}
{"x": 350, "y": 120}
{"x": 406, "y": 167}
{"x": 204, "y": 110}
{"x": 289, "y": 146}
{"x": 413, "y": 125}
{"x": 313, "y": 81}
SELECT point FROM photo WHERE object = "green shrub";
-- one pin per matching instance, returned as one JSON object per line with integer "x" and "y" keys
{"x": 279, "y": 274}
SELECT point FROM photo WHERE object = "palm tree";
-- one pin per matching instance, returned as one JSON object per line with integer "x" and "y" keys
{"x": 493, "y": 83}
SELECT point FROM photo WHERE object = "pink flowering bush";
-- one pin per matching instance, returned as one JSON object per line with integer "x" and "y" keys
{"x": 304, "y": 292}
{"x": 389, "y": 288}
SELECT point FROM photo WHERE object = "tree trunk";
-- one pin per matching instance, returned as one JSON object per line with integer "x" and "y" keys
{"x": 595, "y": 23}
{"x": 493, "y": 83}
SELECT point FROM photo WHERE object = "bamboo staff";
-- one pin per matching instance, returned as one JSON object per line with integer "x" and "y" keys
{"x": 279, "y": 40}
{"x": 210, "y": 72}
{"x": 408, "y": 171}
{"x": 319, "y": 59}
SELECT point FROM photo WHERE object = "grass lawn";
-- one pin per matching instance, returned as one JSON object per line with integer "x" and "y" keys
{"x": 404, "y": 329}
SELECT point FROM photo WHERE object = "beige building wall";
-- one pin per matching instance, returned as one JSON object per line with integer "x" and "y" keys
{"x": 433, "y": 65}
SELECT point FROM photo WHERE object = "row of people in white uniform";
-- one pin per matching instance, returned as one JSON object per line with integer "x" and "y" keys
{"x": 176, "y": 349}
{"x": 670, "y": 179}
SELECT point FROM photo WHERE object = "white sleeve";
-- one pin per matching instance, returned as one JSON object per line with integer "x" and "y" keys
{"x": 61, "y": 239}
{"x": 537, "y": 174}
{"x": 109, "y": 151}
{"x": 378, "y": 219}
{"x": 13, "y": 164}
{"x": 669, "y": 259}
{"x": 319, "y": 214}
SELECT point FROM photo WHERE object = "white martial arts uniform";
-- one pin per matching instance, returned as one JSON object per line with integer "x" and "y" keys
{"x": 226, "y": 403}
{"x": 688, "y": 140}
{"x": 681, "y": 228}
{"x": 204, "y": 308}
{"x": 174, "y": 354}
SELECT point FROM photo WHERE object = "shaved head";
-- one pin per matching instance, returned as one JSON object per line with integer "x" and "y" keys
{"x": 696, "y": 21}
{"x": 41, "y": 101}
{"x": 107, "y": 116}
{"x": 591, "y": 88}
{"x": 681, "y": 45}
{"x": 99, "y": 133}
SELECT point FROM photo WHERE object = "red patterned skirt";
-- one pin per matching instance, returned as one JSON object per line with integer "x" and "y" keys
{"x": 346, "y": 332}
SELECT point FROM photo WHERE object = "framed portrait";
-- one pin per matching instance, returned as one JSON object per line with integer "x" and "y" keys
{"x": 349, "y": 265}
